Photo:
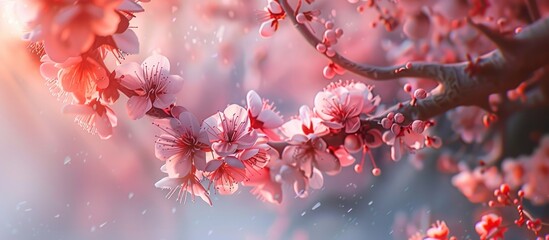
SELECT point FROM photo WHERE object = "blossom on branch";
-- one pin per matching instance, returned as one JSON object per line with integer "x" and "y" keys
{"x": 152, "y": 83}
{"x": 94, "y": 117}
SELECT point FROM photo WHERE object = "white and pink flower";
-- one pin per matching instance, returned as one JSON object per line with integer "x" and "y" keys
{"x": 263, "y": 116}
{"x": 230, "y": 130}
{"x": 152, "y": 83}
{"x": 189, "y": 183}
{"x": 183, "y": 144}
{"x": 94, "y": 117}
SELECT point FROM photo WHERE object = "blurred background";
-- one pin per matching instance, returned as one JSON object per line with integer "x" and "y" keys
{"x": 59, "y": 182}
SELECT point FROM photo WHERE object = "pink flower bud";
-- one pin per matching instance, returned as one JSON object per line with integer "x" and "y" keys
{"x": 321, "y": 48}
{"x": 301, "y": 18}
{"x": 420, "y": 93}
{"x": 399, "y": 118}
{"x": 418, "y": 126}
{"x": 328, "y": 72}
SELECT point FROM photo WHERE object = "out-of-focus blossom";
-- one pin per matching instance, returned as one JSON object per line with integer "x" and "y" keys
{"x": 69, "y": 28}
{"x": 439, "y": 231}
{"x": 229, "y": 131}
{"x": 489, "y": 227}
{"x": 182, "y": 145}
{"x": 340, "y": 104}
{"x": 514, "y": 171}
{"x": 94, "y": 117}
{"x": 189, "y": 183}
{"x": 467, "y": 121}
{"x": 293, "y": 176}
{"x": 477, "y": 185}
{"x": 264, "y": 186}
{"x": 152, "y": 83}
{"x": 81, "y": 76}
{"x": 406, "y": 139}
{"x": 271, "y": 16}
{"x": 537, "y": 176}
{"x": 263, "y": 116}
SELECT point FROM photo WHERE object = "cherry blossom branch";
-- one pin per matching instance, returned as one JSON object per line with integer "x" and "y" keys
{"x": 420, "y": 70}
{"x": 462, "y": 84}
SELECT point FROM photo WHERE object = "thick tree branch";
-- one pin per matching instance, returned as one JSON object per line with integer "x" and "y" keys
{"x": 462, "y": 84}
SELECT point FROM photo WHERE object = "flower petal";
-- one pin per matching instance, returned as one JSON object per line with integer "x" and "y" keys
{"x": 270, "y": 119}
{"x": 137, "y": 106}
{"x": 156, "y": 64}
{"x": 131, "y": 75}
{"x": 174, "y": 84}
{"x": 127, "y": 42}
{"x": 178, "y": 166}
{"x": 234, "y": 162}
{"x": 163, "y": 100}
{"x": 255, "y": 105}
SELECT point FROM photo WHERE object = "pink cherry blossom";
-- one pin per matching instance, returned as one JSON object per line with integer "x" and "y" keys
{"x": 229, "y": 131}
{"x": 226, "y": 173}
{"x": 467, "y": 122}
{"x": 293, "y": 176}
{"x": 273, "y": 13}
{"x": 307, "y": 123}
{"x": 189, "y": 183}
{"x": 263, "y": 116}
{"x": 438, "y": 231}
{"x": 308, "y": 153}
{"x": 537, "y": 174}
{"x": 340, "y": 104}
{"x": 406, "y": 139}
{"x": 81, "y": 76}
{"x": 182, "y": 145}
{"x": 152, "y": 83}
{"x": 490, "y": 226}
{"x": 264, "y": 186}
{"x": 477, "y": 185}
{"x": 69, "y": 28}
{"x": 94, "y": 117}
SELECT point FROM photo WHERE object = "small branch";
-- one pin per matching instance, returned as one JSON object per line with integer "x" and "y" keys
{"x": 416, "y": 69}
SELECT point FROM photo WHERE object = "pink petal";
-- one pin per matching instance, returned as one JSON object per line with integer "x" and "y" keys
{"x": 267, "y": 28}
{"x": 189, "y": 121}
{"x": 323, "y": 104}
{"x": 178, "y": 166}
{"x": 137, "y": 106}
{"x": 224, "y": 148}
{"x": 234, "y": 162}
{"x": 248, "y": 153}
{"x": 130, "y": 6}
{"x": 352, "y": 125}
{"x": 317, "y": 180}
{"x": 213, "y": 165}
{"x": 300, "y": 188}
{"x": 236, "y": 113}
{"x": 289, "y": 153}
{"x": 107, "y": 24}
{"x": 325, "y": 161}
{"x": 199, "y": 159}
{"x": 130, "y": 75}
{"x": 345, "y": 159}
{"x": 270, "y": 119}
{"x": 103, "y": 126}
{"x": 48, "y": 70}
{"x": 67, "y": 14}
{"x": 247, "y": 140}
{"x": 274, "y": 7}
{"x": 174, "y": 84}
{"x": 127, "y": 42}
{"x": 156, "y": 64}
{"x": 169, "y": 183}
{"x": 255, "y": 105}
{"x": 163, "y": 151}
{"x": 164, "y": 100}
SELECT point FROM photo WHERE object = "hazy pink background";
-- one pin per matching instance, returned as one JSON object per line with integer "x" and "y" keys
{"x": 59, "y": 182}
